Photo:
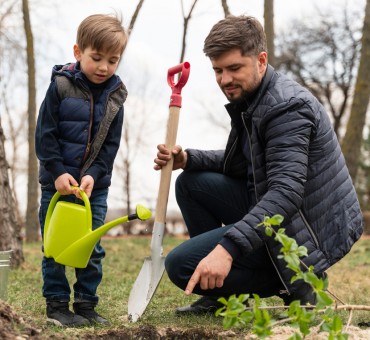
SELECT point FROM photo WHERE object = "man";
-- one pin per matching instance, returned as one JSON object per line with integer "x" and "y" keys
{"x": 282, "y": 157}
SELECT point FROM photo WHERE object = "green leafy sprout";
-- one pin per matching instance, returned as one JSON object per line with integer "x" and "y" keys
{"x": 237, "y": 313}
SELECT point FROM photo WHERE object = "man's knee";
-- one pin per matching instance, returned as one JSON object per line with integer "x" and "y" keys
{"x": 173, "y": 265}
{"x": 181, "y": 182}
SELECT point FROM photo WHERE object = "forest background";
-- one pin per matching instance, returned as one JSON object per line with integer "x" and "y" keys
{"x": 323, "y": 45}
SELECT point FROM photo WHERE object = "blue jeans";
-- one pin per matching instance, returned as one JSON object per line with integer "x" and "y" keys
{"x": 56, "y": 286}
{"x": 210, "y": 204}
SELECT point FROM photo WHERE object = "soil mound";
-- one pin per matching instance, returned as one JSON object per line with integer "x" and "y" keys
{"x": 12, "y": 326}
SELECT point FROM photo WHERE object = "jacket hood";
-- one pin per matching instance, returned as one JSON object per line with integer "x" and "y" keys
{"x": 68, "y": 70}
{"x": 73, "y": 72}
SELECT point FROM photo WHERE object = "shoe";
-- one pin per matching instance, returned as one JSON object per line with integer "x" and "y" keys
{"x": 87, "y": 310}
{"x": 206, "y": 304}
{"x": 58, "y": 313}
{"x": 304, "y": 294}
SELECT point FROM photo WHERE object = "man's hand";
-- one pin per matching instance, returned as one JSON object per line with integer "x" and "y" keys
{"x": 211, "y": 271}
{"x": 180, "y": 157}
{"x": 87, "y": 185}
{"x": 63, "y": 184}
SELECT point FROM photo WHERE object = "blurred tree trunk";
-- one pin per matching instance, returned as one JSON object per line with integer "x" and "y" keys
{"x": 352, "y": 140}
{"x": 13, "y": 135}
{"x": 12, "y": 61}
{"x": 10, "y": 238}
{"x": 127, "y": 164}
{"x": 134, "y": 16}
{"x": 32, "y": 223}
{"x": 186, "y": 24}
{"x": 269, "y": 30}
{"x": 225, "y": 8}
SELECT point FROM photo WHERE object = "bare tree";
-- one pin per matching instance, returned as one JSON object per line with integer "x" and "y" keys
{"x": 186, "y": 18}
{"x": 12, "y": 61}
{"x": 126, "y": 154}
{"x": 134, "y": 16}
{"x": 323, "y": 56}
{"x": 362, "y": 181}
{"x": 225, "y": 8}
{"x": 15, "y": 135}
{"x": 269, "y": 30}
{"x": 32, "y": 223}
{"x": 9, "y": 226}
{"x": 11, "y": 54}
{"x": 353, "y": 138}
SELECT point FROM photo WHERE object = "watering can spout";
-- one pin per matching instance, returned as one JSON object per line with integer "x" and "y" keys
{"x": 68, "y": 234}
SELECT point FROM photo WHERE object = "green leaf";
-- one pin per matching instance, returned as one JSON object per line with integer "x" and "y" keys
{"x": 337, "y": 324}
{"x": 268, "y": 231}
{"x": 222, "y": 300}
{"x": 323, "y": 299}
{"x": 295, "y": 336}
{"x": 276, "y": 219}
{"x": 302, "y": 251}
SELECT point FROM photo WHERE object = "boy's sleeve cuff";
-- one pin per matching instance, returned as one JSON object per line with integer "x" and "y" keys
{"x": 56, "y": 169}
{"x": 231, "y": 248}
{"x": 94, "y": 172}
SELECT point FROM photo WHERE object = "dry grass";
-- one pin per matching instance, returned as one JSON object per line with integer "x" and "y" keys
{"x": 349, "y": 280}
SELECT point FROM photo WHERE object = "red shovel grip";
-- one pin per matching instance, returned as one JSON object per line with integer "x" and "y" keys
{"x": 184, "y": 69}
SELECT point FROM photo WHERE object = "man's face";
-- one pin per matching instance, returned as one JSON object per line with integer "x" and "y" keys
{"x": 239, "y": 75}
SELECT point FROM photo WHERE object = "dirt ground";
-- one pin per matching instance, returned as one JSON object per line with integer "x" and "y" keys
{"x": 13, "y": 326}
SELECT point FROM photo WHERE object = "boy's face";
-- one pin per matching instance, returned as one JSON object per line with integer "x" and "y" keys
{"x": 97, "y": 66}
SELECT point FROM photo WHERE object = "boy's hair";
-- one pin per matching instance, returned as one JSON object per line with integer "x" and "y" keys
{"x": 243, "y": 32}
{"x": 102, "y": 32}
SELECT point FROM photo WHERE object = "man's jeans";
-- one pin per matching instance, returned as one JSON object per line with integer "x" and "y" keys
{"x": 56, "y": 286}
{"x": 210, "y": 203}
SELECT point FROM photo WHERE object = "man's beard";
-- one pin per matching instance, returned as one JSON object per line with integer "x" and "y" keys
{"x": 245, "y": 96}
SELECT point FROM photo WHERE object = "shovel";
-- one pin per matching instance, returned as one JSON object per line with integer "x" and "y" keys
{"x": 153, "y": 268}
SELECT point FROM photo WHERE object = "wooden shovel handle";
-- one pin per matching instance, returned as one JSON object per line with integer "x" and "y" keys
{"x": 164, "y": 185}
{"x": 172, "y": 124}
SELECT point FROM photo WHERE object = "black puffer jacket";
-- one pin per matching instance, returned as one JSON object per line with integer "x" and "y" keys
{"x": 299, "y": 172}
{"x": 76, "y": 134}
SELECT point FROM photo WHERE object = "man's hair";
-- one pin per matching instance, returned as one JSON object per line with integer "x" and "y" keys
{"x": 102, "y": 32}
{"x": 243, "y": 32}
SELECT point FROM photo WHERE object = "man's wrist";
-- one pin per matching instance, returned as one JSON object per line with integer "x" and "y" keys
{"x": 185, "y": 160}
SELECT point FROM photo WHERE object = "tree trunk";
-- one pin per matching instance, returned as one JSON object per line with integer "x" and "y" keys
{"x": 32, "y": 223}
{"x": 269, "y": 30}
{"x": 10, "y": 238}
{"x": 225, "y": 8}
{"x": 352, "y": 140}
{"x": 186, "y": 25}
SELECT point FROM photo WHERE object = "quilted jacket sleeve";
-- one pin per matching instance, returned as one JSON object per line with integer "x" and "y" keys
{"x": 210, "y": 160}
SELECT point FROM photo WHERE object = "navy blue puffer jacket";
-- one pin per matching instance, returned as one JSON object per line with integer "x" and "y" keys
{"x": 76, "y": 135}
{"x": 299, "y": 172}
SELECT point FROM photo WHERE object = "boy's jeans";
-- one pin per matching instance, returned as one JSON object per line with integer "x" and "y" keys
{"x": 209, "y": 200}
{"x": 56, "y": 286}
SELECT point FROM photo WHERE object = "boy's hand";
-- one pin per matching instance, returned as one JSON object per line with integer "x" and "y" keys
{"x": 63, "y": 184}
{"x": 180, "y": 157}
{"x": 87, "y": 185}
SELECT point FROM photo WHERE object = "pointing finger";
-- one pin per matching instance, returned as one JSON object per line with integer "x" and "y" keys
{"x": 192, "y": 283}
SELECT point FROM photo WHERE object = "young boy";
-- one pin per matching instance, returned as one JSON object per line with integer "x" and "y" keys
{"x": 77, "y": 137}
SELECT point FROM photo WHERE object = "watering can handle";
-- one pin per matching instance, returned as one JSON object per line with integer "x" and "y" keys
{"x": 54, "y": 201}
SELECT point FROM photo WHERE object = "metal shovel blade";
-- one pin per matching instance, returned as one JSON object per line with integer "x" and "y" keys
{"x": 144, "y": 287}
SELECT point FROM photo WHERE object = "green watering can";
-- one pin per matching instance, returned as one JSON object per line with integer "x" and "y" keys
{"x": 68, "y": 234}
